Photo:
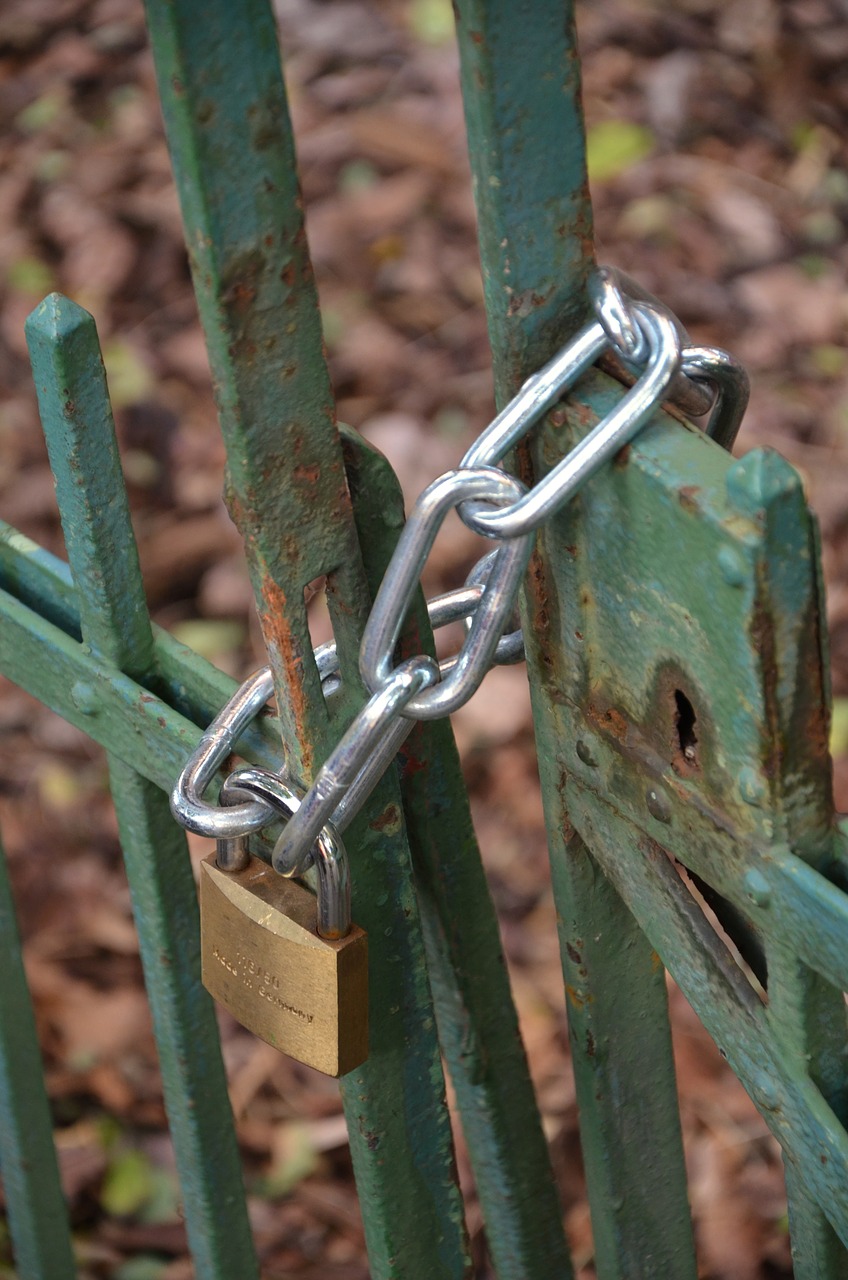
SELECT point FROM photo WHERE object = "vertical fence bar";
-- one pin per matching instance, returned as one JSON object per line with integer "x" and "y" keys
{"x": 38, "y": 1220}
{"x": 808, "y": 1018}
{"x": 229, "y": 133}
{"x": 521, "y": 86}
{"x": 77, "y": 421}
{"x": 478, "y": 1026}
{"x": 521, "y": 91}
{"x": 806, "y": 1012}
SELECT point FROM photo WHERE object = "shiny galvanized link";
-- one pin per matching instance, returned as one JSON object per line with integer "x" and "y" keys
{"x": 454, "y": 606}
{"x": 733, "y": 387}
{"x": 710, "y": 379}
{"x": 355, "y": 757}
{"x": 241, "y": 816}
{"x": 613, "y": 293}
{"x": 613, "y": 310}
{"x": 601, "y": 444}
{"x": 510, "y": 648}
{"x": 187, "y": 803}
{"x": 383, "y": 628}
{"x": 328, "y": 854}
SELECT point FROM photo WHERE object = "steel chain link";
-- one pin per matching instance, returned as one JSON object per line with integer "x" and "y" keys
{"x": 642, "y": 332}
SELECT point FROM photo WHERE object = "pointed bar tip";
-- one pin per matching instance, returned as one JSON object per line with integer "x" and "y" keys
{"x": 55, "y": 319}
{"x": 759, "y": 478}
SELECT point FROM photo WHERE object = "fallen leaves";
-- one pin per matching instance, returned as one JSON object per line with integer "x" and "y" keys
{"x": 716, "y": 150}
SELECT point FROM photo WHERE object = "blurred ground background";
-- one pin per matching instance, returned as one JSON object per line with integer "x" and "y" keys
{"x": 717, "y": 154}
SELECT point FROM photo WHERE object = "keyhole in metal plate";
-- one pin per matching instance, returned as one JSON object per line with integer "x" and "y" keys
{"x": 685, "y": 725}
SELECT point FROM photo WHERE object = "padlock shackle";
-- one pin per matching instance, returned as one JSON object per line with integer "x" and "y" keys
{"x": 329, "y": 853}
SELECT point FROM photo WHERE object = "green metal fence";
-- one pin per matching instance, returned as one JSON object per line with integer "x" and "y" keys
{"x": 682, "y": 590}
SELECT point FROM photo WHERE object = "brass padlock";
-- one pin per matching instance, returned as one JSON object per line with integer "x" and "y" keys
{"x": 263, "y": 959}
{"x": 291, "y": 968}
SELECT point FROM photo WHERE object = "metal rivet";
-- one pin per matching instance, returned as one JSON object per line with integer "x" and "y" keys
{"x": 764, "y": 1093}
{"x": 658, "y": 805}
{"x": 751, "y": 786}
{"x": 731, "y": 567}
{"x": 84, "y": 697}
{"x": 586, "y": 751}
{"x": 757, "y": 888}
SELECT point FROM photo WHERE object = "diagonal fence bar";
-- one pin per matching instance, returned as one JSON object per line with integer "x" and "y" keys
{"x": 77, "y": 421}
{"x": 38, "y": 1219}
{"x": 791, "y": 1104}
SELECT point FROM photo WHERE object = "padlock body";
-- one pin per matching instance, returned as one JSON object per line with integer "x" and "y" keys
{"x": 263, "y": 960}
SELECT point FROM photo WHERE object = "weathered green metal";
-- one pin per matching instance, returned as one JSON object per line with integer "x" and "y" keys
{"x": 478, "y": 1027}
{"x": 115, "y": 626}
{"x": 673, "y": 568}
{"x": 474, "y": 1008}
{"x": 681, "y": 564}
{"x": 521, "y": 87}
{"x": 39, "y": 599}
{"x": 229, "y": 134}
{"x": 36, "y": 1213}
{"x": 521, "y": 91}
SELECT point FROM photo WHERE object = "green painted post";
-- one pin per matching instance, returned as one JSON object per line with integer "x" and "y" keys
{"x": 521, "y": 90}
{"x": 83, "y": 452}
{"x": 38, "y": 1220}
{"x": 521, "y": 86}
{"x": 229, "y": 134}
{"x": 809, "y": 1020}
{"x": 750, "y": 811}
{"x": 478, "y": 1026}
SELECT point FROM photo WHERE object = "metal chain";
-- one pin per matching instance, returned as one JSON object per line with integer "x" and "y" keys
{"x": 642, "y": 332}
{"x": 243, "y": 816}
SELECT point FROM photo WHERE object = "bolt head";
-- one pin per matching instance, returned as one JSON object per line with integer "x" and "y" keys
{"x": 658, "y": 804}
{"x": 84, "y": 697}
{"x": 731, "y": 567}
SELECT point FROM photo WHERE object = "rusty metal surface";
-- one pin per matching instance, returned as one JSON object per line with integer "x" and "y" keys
{"x": 678, "y": 611}
{"x": 527, "y": 152}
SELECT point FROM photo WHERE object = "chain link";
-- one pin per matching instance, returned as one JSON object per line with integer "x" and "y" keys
{"x": 243, "y": 816}
{"x": 496, "y": 505}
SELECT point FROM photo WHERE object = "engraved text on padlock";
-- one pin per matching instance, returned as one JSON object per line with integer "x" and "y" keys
{"x": 263, "y": 960}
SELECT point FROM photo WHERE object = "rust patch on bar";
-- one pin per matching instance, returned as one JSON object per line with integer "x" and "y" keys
{"x": 281, "y": 644}
{"x": 388, "y": 820}
{"x": 609, "y": 719}
{"x": 309, "y": 473}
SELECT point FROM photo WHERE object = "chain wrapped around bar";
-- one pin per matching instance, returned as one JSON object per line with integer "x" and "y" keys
{"x": 641, "y": 331}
